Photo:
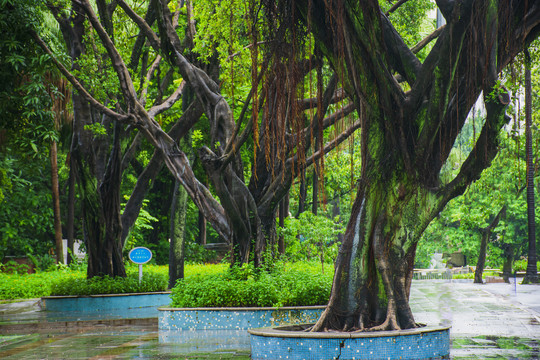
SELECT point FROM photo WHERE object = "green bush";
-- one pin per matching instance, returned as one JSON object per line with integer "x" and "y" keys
{"x": 521, "y": 265}
{"x": 72, "y": 281}
{"x": 28, "y": 286}
{"x": 285, "y": 285}
{"x": 151, "y": 282}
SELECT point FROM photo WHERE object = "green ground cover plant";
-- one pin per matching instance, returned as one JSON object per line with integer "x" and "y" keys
{"x": 72, "y": 281}
{"x": 285, "y": 284}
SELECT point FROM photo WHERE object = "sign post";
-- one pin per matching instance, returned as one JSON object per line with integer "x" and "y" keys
{"x": 140, "y": 255}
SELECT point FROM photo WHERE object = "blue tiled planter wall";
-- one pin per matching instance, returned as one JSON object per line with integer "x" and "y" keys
{"x": 426, "y": 343}
{"x": 171, "y": 319}
{"x": 105, "y": 302}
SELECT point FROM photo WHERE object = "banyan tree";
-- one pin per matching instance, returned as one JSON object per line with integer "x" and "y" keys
{"x": 409, "y": 113}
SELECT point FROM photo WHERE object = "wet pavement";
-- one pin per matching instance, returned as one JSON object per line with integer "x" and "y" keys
{"x": 490, "y": 321}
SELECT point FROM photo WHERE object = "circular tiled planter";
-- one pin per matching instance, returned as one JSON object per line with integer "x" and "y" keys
{"x": 292, "y": 342}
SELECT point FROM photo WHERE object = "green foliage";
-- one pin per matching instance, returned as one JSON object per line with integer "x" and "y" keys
{"x": 311, "y": 236}
{"x": 197, "y": 254}
{"x": 29, "y": 286}
{"x": 12, "y": 267}
{"x": 26, "y": 92}
{"x": 97, "y": 129}
{"x": 25, "y": 219}
{"x": 152, "y": 281}
{"x": 108, "y": 285}
{"x": 285, "y": 285}
{"x": 521, "y": 265}
{"x": 458, "y": 226}
{"x": 144, "y": 222}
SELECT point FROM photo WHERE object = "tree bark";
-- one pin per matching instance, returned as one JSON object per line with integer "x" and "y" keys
{"x": 486, "y": 235}
{"x": 531, "y": 275}
{"x": 283, "y": 213}
{"x": 56, "y": 204}
{"x": 177, "y": 235}
{"x": 303, "y": 194}
{"x": 70, "y": 226}
{"x": 202, "y": 229}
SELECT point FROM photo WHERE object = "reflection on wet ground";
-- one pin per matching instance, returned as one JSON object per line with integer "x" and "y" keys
{"x": 492, "y": 321}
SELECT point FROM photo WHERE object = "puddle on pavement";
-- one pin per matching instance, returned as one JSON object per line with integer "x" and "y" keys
{"x": 148, "y": 345}
{"x": 494, "y": 347}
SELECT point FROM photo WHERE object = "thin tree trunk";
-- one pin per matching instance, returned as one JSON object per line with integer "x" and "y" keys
{"x": 486, "y": 234}
{"x": 283, "y": 211}
{"x": 531, "y": 275}
{"x": 480, "y": 264}
{"x": 70, "y": 226}
{"x": 315, "y": 197}
{"x": 56, "y": 204}
{"x": 303, "y": 194}
{"x": 177, "y": 234}
{"x": 202, "y": 229}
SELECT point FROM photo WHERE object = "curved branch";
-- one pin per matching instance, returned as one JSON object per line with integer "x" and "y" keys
{"x": 169, "y": 102}
{"x": 395, "y": 7}
{"x": 126, "y": 85}
{"x": 142, "y": 24}
{"x": 422, "y": 44}
{"x": 149, "y": 75}
{"x": 76, "y": 84}
{"x": 486, "y": 146}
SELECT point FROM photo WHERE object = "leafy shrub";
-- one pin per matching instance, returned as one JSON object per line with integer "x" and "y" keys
{"x": 197, "y": 254}
{"x": 521, "y": 265}
{"x": 284, "y": 285}
{"x": 311, "y": 236}
{"x": 12, "y": 267}
{"x": 27, "y": 286}
{"x": 72, "y": 281}
{"x": 151, "y": 282}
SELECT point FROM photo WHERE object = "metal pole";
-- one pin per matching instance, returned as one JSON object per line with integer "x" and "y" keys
{"x": 140, "y": 273}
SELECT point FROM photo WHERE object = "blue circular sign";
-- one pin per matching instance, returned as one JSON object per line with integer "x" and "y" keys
{"x": 140, "y": 255}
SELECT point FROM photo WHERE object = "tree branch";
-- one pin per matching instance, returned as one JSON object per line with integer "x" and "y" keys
{"x": 148, "y": 77}
{"x": 486, "y": 146}
{"x": 422, "y": 44}
{"x": 126, "y": 85}
{"x": 142, "y": 24}
{"x": 76, "y": 84}
{"x": 395, "y": 7}
{"x": 169, "y": 102}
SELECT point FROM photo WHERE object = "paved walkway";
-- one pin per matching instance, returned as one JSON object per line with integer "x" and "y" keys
{"x": 488, "y": 321}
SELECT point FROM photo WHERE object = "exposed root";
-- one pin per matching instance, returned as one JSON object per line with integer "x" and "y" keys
{"x": 321, "y": 323}
{"x": 389, "y": 324}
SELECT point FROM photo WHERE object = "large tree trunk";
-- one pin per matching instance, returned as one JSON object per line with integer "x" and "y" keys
{"x": 283, "y": 213}
{"x": 101, "y": 209}
{"x": 98, "y": 172}
{"x": 406, "y": 137}
{"x": 375, "y": 263}
{"x": 201, "y": 237}
{"x": 480, "y": 264}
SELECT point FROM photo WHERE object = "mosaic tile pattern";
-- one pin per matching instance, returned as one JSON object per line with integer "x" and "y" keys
{"x": 234, "y": 319}
{"x": 431, "y": 345}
